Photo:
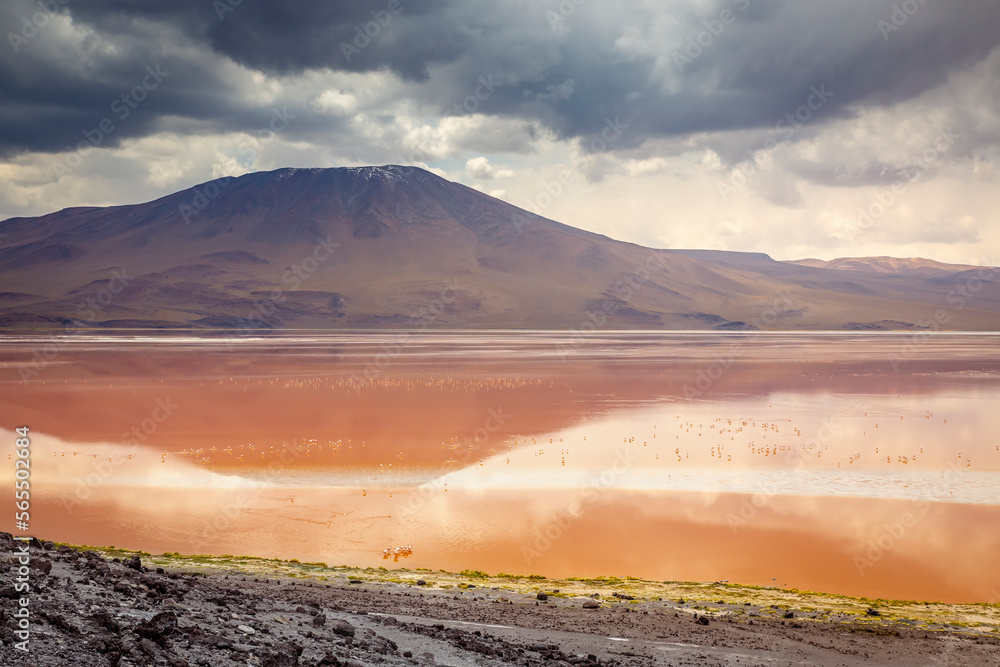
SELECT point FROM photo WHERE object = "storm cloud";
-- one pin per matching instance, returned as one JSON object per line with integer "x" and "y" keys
{"x": 665, "y": 69}
{"x": 614, "y": 83}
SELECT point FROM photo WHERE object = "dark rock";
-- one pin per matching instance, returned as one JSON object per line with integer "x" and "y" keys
{"x": 148, "y": 647}
{"x": 355, "y": 581}
{"x": 8, "y": 592}
{"x": 701, "y": 620}
{"x": 103, "y": 619}
{"x": 42, "y": 566}
{"x": 591, "y": 604}
{"x": 543, "y": 648}
{"x": 873, "y": 612}
{"x": 135, "y": 563}
{"x": 789, "y": 614}
{"x": 281, "y": 656}
{"x": 106, "y": 645}
{"x": 48, "y": 545}
{"x": 542, "y": 596}
{"x": 279, "y": 659}
{"x": 421, "y": 582}
{"x": 59, "y": 621}
{"x": 158, "y": 628}
{"x": 342, "y": 628}
{"x": 319, "y": 619}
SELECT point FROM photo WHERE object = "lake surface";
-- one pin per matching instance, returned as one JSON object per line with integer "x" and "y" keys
{"x": 863, "y": 464}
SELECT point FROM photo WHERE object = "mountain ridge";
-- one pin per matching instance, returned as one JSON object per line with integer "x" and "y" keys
{"x": 886, "y": 265}
{"x": 358, "y": 247}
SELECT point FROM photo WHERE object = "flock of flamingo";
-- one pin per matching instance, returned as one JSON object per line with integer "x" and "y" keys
{"x": 395, "y": 553}
{"x": 716, "y": 430}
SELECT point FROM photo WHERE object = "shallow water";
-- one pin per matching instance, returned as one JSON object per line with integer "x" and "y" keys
{"x": 865, "y": 464}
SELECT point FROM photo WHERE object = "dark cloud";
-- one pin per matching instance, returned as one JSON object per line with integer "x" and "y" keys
{"x": 291, "y": 36}
{"x": 569, "y": 73}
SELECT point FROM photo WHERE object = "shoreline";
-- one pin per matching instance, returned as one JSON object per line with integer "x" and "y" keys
{"x": 104, "y": 606}
{"x": 639, "y": 590}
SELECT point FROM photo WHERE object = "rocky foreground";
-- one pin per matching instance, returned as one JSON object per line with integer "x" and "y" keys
{"x": 91, "y": 609}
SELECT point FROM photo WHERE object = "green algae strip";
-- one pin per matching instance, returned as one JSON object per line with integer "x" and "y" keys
{"x": 742, "y": 602}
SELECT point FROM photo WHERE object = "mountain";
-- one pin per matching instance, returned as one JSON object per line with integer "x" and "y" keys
{"x": 897, "y": 265}
{"x": 398, "y": 247}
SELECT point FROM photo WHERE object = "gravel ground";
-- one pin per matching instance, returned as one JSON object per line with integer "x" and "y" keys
{"x": 88, "y": 610}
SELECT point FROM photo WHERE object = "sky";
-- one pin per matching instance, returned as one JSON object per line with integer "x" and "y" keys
{"x": 799, "y": 128}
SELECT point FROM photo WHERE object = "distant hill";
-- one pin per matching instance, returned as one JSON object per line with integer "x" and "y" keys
{"x": 896, "y": 265}
{"x": 398, "y": 247}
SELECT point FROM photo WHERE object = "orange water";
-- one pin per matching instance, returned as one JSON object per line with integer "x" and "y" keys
{"x": 860, "y": 464}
